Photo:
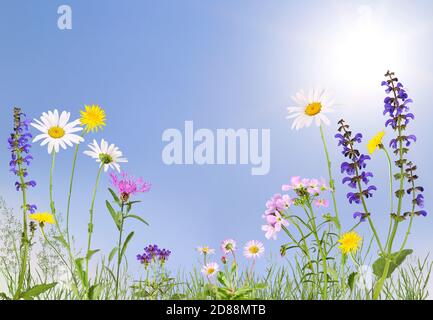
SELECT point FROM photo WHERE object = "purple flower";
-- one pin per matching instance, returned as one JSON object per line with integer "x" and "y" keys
{"x": 361, "y": 215}
{"x": 354, "y": 168}
{"x": 152, "y": 253}
{"x": 19, "y": 145}
{"x": 397, "y": 107}
{"x": 419, "y": 200}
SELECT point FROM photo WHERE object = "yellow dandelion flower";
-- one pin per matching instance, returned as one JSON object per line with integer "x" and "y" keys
{"x": 349, "y": 242}
{"x": 42, "y": 217}
{"x": 93, "y": 118}
{"x": 375, "y": 142}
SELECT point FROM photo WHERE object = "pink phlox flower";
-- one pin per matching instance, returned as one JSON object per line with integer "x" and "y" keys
{"x": 321, "y": 203}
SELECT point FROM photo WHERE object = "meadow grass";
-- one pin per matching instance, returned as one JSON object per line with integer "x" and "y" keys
{"x": 282, "y": 281}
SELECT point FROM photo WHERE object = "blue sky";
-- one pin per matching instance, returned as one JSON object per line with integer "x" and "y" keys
{"x": 153, "y": 65}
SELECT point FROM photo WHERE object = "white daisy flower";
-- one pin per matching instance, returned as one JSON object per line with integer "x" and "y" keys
{"x": 56, "y": 131}
{"x": 210, "y": 269}
{"x": 228, "y": 245}
{"x": 205, "y": 250}
{"x": 108, "y": 155}
{"x": 254, "y": 249}
{"x": 311, "y": 107}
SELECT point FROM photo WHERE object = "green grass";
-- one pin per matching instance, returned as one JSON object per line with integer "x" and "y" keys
{"x": 287, "y": 280}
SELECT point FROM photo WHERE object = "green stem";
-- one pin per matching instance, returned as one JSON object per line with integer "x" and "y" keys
{"x": 90, "y": 225}
{"x": 391, "y": 191}
{"x": 322, "y": 253}
{"x": 119, "y": 257}
{"x": 370, "y": 221}
{"x": 331, "y": 179}
{"x": 379, "y": 285}
{"x": 71, "y": 182}
{"x": 304, "y": 249}
{"x": 411, "y": 216}
{"x": 56, "y": 251}
{"x": 56, "y": 221}
{"x": 24, "y": 241}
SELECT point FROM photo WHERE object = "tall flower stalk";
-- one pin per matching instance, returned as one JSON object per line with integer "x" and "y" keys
{"x": 108, "y": 156}
{"x": 126, "y": 186}
{"x": 19, "y": 145}
{"x": 331, "y": 179}
{"x": 356, "y": 176}
{"x": 56, "y": 131}
{"x": 309, "y": 193}
{"x": 90, "y": 224}
{"x": 92, "y": 118}
{"x": 313, "y": 107}
{"x": 396, "y": 106}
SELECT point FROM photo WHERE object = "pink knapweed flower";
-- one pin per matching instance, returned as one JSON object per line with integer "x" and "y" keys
{"x": 127, "y": 185}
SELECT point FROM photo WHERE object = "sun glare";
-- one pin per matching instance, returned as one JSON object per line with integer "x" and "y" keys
{"x": 363, "y": 49}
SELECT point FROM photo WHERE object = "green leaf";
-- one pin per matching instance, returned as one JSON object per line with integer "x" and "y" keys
{"x": 80, "y": 270}
{"x": 234, "y": 267}
{"x": 37, "y": 290}
{"x": 137, "y": 218}
{"x": 125, "y": 244}
{"x": 114, "y": 195}
{"x": 93, "y": 292}
{"x": 112, "y": 253}
{"x": 91, "y": 253}
{"x": 4, "y": 296}
{"x": 333, "y": 273}
{"x": 111, "y": 273}
{"x": 62, "y": 240}
{"x": 260, "y": 286}
{"x": 397, "y": 259}
{"x": 351, "y": 280}
{"x": 222, "y": 279}
{"x": 113, "y": 214}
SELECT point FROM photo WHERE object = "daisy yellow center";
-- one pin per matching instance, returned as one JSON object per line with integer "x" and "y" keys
{"x": 313, "y": 108}
{"x": 210, "y": 270}
{"x": 254, "y": 249}
{"x": 105, "y": 158}
{"x": 56, "y": 132}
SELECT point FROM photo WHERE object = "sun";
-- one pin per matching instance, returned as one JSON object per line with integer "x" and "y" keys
{"x": 361, "y": 52}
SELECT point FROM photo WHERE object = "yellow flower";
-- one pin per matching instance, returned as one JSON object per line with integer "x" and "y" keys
{"x": 375, "y": 142}
{"x": 93, "y": 118}
{"x": 42, "y": 217}
{"x": 349, "y": 242}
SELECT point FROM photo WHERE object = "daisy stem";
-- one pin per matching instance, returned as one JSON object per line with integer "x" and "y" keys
{"x": 252, "y": 269}
{"x": 56, "y": 221}
{"x": 90, "y": 225}
{"x": 331, "y": 179}
{"x": 71, "y": 182}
